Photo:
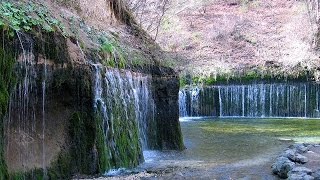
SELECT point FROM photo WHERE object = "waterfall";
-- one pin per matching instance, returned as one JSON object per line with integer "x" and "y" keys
{"x": 252, "y": 100}
{"x": 195, "y": 102}
{"x": 183, "y": 104}
{"x": 44, "y": 120}
{"x": 144, "y": 104}
{"x": 124, "y": 101}
{"x": 21, "y": 118}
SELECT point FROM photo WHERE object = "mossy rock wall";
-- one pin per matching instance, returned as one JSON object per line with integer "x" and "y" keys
{"x": 7, "y": 78}
{"x": 168, "y": 126}
{"x": 166, "y": 133}
{"x": 75, "y": 134}
{"x": 67, "y": 93}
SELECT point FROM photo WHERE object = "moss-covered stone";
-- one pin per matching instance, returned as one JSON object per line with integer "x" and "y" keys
{"x": 102, "y": 150}
{"x": 169, "y": 134}
{"x": 118, "y": 135}
{"x": 82, "y": 135}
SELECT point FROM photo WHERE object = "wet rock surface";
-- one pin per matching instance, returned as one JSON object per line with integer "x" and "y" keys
{"x": 282, "y": 166}
{"x": 316, "y": 174}
{"x": 299, "y": 161}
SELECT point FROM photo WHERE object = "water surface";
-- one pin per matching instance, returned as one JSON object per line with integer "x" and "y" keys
{"x": 234, "y": 146}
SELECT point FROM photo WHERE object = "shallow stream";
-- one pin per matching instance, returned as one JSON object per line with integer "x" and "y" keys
{"x": 235, "y": 148}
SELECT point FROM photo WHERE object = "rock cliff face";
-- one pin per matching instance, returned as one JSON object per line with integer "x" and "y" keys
{"x": 166, "y": 90}
{"x": 70, "y": 105}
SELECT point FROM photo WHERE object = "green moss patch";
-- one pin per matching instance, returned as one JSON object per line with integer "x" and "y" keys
{"x": 82, "y": 135}
{"x": 285, "y": 128}
{"x": 7, "y": 78}
{"x": 26, "y": 17}
{"x": 243, "y": 78}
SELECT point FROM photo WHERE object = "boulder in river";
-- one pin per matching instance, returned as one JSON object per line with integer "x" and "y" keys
{"x": 282, "y": 166}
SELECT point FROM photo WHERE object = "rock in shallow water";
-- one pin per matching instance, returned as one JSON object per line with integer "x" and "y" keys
{"x": 295, "y": 157}
{"x": 282, "y": 166}
{"x": 316, "y": 174}
{"x": 300, "y": 177}
{"x": 302, "y": 148}
{"x": 297, "y": 170}
{"x": 301, "y": 159}
{"x": 300, "y": 173}
{"x": 290, "y": 153}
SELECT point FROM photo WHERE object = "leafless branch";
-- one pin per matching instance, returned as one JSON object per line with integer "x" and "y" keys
{"x": 149, "y": 13}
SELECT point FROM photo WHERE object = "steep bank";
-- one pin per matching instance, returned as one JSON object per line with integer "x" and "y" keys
{"x": 76, "y": 106}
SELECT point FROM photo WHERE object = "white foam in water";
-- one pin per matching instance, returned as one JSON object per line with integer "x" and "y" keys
{"x": 184, "y": 119}
{"x": 115, "y": 172}
{"x": 150, "y": 156}
{"x": 187, "y": 119}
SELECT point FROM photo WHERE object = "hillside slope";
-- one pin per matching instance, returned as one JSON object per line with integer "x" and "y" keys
{"x": 213, "y": 37}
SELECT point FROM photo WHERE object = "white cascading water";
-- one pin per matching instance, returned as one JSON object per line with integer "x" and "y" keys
{"x": 115, "y": 88}
{"x": 253, "y": 100}
{"x": 144, "y": 104}
{"x": 195, "y": 102}
{"x": 44, "y": 168}
{"x": 21, "y": 119}
{"x": 182, "y": 104}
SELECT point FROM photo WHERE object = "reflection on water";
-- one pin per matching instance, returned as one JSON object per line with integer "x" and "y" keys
{"x": 225, "y": 141}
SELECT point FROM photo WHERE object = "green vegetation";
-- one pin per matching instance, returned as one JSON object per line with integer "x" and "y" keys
{"x": 27, "y": 17}
{"x": 183, "y": 81}
{"x": 243, "y": 77}
{"x": 296, "y": 129}
{"x": 226, "y": 140}
{"x": 124, "y": 136}
{"x": 7, "y": 79}
{"x": 168, "y": 63}
{"x": 88, "y": 151}
{"x": 112, "y": 54}
{"x": 82, "y": 135}
{"x": 121, "y": 147}
{"x": 103, "y": 151}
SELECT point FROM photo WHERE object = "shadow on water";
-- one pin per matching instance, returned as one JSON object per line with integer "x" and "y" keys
{"x": 227, "y": 148}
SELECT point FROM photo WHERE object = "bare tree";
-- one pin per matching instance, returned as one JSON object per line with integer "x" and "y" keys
{"x": 149, "y": 14}
{"x": 313, "y": 8}
{"x": 314, "y": 15}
